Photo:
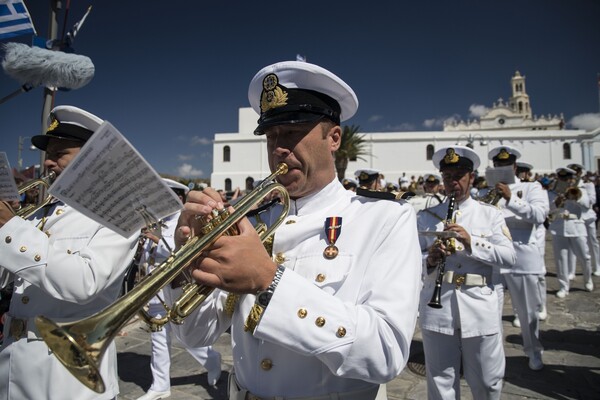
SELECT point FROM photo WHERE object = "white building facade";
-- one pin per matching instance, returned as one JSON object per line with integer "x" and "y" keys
{"x": 241, "y": 158}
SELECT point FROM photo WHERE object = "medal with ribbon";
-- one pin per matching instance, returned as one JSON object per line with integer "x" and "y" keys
{"x": 333, "y": 230}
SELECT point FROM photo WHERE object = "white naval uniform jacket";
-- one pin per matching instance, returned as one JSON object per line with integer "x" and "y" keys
{"x": 366, "y": 299}
{"x": 72, "y": 269}
{"x": 527, "y": 209}
{"x": 588, "y": 213}
{"x": 472, "y": 309}
{"x": 567, "y": 221}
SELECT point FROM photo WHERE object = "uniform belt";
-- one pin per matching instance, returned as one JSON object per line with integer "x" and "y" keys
{"x": 464, "y": 279}
{"x": 237, "y": 393}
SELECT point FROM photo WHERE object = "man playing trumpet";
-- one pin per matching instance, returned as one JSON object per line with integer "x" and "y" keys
{"x": 65, "y": 266}
{"x": 466, "y": 328}
{"x": 333, "y": 312}
{"x": 567, "y": 205}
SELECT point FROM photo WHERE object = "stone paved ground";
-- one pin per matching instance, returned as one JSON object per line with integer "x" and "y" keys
{"x": 570, "y": 335}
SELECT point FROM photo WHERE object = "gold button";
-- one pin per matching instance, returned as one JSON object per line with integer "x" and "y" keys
{"x": 23, "y": 249}
{"x": 341, "y": 332}
{"x": 320, "y": 322}
{"x": 280, "y": 258}
{"x": 68, "y": 251}
{"x": 25, "y": 299}
{"x": 266, "y": 364}
{"x": 320, "y": 278}
{"x": 59, "y": 211}
{"x": 8, "y": 239}
{"x": 37, "y": 257}
{"x": 302, "y": 313}
{"x": 289, "y": 222}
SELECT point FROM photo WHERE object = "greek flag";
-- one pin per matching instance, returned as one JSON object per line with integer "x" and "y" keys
{"x": 14, "y": 19}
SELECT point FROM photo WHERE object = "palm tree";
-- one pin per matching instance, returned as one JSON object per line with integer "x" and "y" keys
{"x": 352, "y": 147}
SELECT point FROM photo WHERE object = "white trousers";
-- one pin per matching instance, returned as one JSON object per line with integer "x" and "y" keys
{"x": 161, "y": 354}
{"x": 593, "y": 248}
{"x": 525, "y": 294}
{"x": 562, "y": 246}
{"x": 482, "y": 359}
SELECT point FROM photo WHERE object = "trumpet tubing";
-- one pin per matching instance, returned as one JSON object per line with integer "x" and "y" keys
{"x": 80, "y": 345}
{"x": 44, "y": 181}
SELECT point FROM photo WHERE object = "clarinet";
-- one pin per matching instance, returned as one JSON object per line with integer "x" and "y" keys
{"x": 435, "y": 301}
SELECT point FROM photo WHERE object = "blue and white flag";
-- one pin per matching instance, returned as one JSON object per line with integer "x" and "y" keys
{"x": 14, "y": 19}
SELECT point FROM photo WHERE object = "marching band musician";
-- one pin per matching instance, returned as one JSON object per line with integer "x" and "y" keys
{"x": 589, "y": 219}
{"x": 467, "y": 327}
{"x": 432, "y": 196}
{"x": 332, "y": 314}
{"x": 65, "y": 266}
{"x": 368, "y": 179}
{"x": 155, "y": 251}
{"x": 567, "y": 205}
{"x": 525, "y": 207}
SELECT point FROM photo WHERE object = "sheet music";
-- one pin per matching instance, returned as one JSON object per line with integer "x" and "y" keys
{"x": 8, "y": 187}
{"x": 111, "y": 183}
{"x": 494, "y": 175}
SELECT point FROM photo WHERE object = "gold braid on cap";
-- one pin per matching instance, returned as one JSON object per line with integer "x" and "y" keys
{"x": 503, "y": 155}
{"x": 363, "y": 176}
{"x": 431, "y": 178}
{"x": 53, "y": 125}
{"x": 273, "y": 95}
{"x": 451, "y": 156}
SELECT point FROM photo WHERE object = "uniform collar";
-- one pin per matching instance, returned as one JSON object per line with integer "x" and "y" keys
{"x": 317, "y": 201}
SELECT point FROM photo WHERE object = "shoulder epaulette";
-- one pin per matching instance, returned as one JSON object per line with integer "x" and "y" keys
{"x": 376, "y": 194}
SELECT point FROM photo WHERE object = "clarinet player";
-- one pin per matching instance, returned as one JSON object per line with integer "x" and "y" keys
{"x": 465, "y": 328}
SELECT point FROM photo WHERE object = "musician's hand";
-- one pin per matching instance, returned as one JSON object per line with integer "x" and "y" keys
{"x": 436, "y": 253}
{"x": 238, "y": 264}
{"x": 198, "y": 205}
{"x": 7, "y": 211}
{"x": 463, "y": 235}
{"x": 152, "y": 236}
{"x": 504, "y": 191}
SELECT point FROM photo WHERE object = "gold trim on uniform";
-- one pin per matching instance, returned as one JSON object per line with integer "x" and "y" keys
{"x": 506, "y": 232}
{"x": 253, "y": 318}
{"x": 230, "y": 303}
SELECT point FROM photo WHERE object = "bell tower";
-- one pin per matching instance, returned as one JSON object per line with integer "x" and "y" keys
{"x": 519, "y": 101}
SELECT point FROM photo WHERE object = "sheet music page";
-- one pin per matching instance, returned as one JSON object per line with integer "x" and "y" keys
{"x": 494, "y": 175}
{"x": 111, "y": 183}
{"x": 8, "y": 187}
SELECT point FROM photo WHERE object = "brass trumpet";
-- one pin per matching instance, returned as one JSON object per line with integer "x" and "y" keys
{"x": 45, "y": 182}
{"x": 80, "y": 345}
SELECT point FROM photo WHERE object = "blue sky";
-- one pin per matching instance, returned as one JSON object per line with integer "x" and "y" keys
{"x": 171, "y": 74}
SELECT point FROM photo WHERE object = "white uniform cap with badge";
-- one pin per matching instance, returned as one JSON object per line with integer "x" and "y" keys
{"x": 68, "y": 123}
{"x": 291, "y": 92}
{"x": 565, "y": 172}
{"x": 432, "y": 178}
{"x": 578, "y": 168}
{"x": 504, "y": 154}
{"x": 456, "y": 156}
{"x": 176, "y": 185}
{"x": 524, "y": 165}
{"x": 366, "y": 174}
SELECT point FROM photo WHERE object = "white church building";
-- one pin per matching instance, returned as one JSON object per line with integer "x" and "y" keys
{"x": 241, "y": 158}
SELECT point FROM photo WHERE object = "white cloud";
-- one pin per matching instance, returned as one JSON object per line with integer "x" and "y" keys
{"x": 375, "y": 118}
{"x": 477, "y": 110}
{"x": 184, "y": 157}
{"x": 198, "y": 140}
{"x": 188, "y": 171}
{"x": 588, "y": 121}
{"x": 438, "y": 122}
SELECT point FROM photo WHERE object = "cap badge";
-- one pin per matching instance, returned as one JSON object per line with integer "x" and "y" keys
{"x": 431, "y": 178}
{"x": 503, "y": 155}
{"x": 53, "y": 125}
{"x": 273, "y": 95}
{"x": 363, "y": 176}
{"x": 451, "y": 156}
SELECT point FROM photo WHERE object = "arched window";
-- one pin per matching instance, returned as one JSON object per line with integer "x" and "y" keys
{"x": 226, "y": 154}
{"x": 249, "y": 183}
{"x": 566, "y": 151}
{"x": 429, "y": 152}
{"x": 520, "y": 106}
{"x": 227, "y": 185}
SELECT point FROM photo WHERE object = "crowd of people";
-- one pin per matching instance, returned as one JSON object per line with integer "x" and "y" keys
{"x": 336, "y": 294}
